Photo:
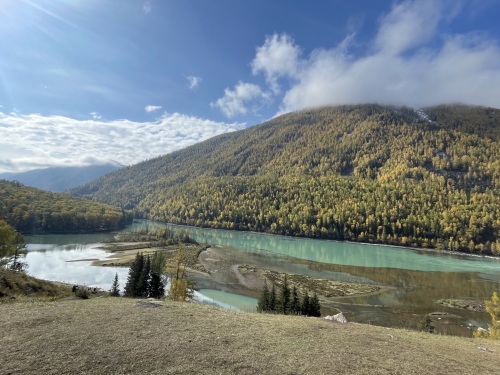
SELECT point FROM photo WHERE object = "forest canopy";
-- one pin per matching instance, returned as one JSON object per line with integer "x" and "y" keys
{"x": 30, "y": 210}
{"x": 428, "y": 178}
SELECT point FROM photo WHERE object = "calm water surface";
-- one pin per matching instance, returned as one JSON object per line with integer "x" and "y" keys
{"x": 418, "y": 278}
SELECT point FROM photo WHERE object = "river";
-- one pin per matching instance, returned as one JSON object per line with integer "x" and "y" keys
{"x": 417, "y": 279}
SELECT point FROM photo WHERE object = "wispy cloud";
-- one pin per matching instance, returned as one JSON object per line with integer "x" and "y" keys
{"x": 278, "y": 57}
{"x": 236, "y": 102}
{"x": 193, "y": 81}
{"x": 152, "y": 108}
{"x": 34, "y": 141}
{"x": 95, "y": 115}
{"x": 147, "y": 7}
{"x": 410, "y": 62}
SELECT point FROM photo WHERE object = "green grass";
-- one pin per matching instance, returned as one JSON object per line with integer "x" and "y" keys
{"x": 128, "y": 336}
{"x": 20, "y": 286}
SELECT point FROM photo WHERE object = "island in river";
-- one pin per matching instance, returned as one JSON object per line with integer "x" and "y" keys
{"x": 210, "y": 268}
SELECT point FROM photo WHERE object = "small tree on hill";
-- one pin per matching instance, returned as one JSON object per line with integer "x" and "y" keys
{"x": 115, "y": 287}
{"x": 284, "y": 300}
{"x": 305, "y": 305}
{"x": 132, "y": 288}
{"x": 157, "y": 283}
{"x": 143, "y": 285}
{"x": 263, "y": 304}
{"x": 314, "y": 306}
{"x": 272, "y": 299}
{"x": 12, "y": 247}
{"x": 492, "y": 308}
{"x": 179, "y": 285}
{"x": 295, "y": 303}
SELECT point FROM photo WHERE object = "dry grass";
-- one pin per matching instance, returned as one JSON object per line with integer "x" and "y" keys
{"x": 20, "y": 286}
{"x": 127, "y": 336}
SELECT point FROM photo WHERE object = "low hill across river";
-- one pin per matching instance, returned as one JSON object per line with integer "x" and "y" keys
{"x": 30, "y": 210}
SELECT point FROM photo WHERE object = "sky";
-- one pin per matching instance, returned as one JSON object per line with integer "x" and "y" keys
{"x": 92, "y": 81}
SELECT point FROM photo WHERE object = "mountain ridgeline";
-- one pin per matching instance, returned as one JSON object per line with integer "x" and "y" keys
{"x": 59, "y": 179}
{"x": 364, "y": 173}
{"x": 30, "y": 210}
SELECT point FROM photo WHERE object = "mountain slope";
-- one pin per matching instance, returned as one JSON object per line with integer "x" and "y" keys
{"x": 58, "y": 179}
{"x": 32, "y": 210}
{"x": 364, "y": 173}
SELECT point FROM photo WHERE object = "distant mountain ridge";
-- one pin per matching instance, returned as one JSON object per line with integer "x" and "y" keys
{"x": 369, "y": 173}
{"x": 59, "y": 179}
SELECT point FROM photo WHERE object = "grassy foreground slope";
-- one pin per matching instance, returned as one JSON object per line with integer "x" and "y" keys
{"x": 364, "y": 173}
{"x": 119, "y": 336}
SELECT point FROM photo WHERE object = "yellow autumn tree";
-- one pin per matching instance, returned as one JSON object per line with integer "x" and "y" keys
{"x": 179, "y": 284}
{"x": 492, "y": 308}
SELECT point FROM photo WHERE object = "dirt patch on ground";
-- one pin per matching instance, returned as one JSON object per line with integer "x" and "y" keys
{"x": 463, "y": 304}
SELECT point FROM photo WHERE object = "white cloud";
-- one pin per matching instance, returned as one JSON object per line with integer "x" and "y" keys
{"x": 235, "y": 102}
{"x": 278, "y": 57}
{"x": 409, "y": 24}
{"x": 147, "y": 7}
{"x": 411, "y": 62}
{"x": 34, "y": 141}
{"x": 193, "y": 81}
{"x": 152, "y": 108}
{"x": 95, "y": 115}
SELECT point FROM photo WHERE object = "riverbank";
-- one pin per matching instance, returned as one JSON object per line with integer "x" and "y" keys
{"x": 120, "y": 335}
{"x": 208, "y": 266}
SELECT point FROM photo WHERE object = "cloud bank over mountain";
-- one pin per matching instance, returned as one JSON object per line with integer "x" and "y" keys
{"x": 410, "y": 61}
{"x": 34, "y": 141}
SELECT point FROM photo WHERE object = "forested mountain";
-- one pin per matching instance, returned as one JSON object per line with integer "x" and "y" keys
{"x": 58, "y": 179}
{"x": 367, "y": 173}
{"x": 31, "y": 210}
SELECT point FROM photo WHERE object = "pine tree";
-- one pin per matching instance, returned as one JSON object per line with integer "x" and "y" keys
{"x": 272, "y": 300}
{"x": 115, "y": 288}
{"x": 305, "y": 306}
{"x": 263, "y": 304}
{"x": 157, "y": 285}
{"x": 314, "y": 306}
{"x": 143, "y": 284}
{"x": 295, "y": 304}
{"x": 133, "y": 276}
{"x": 284, "y": 300}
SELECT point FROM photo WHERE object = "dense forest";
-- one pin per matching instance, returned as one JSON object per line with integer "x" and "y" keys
{"x": 31, "y": 210}
{"x": 368, "y": 173}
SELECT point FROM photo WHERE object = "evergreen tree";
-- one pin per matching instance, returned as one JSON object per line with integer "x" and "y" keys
{"x": 272, "y": 300}
{"x": 143, "y": 285}
{"x": 314, "y": 306}
{"x": 305, "y": 306}
{"x": 263, "y": 304}
{"x": 133, "y": 276}
{"x": 284, "y": 300}
{"x": 295, "y": 303}
{"x": 115, "y": 288}
{"x": 157, "y": 284}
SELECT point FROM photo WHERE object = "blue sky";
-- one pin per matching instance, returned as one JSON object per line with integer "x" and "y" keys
{"x": 88, "y": 81}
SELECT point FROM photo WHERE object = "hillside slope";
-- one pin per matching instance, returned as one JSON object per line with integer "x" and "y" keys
{"x": 363, "y": 173}
{"x": 32, "y": 210}
{"x": 127, "y": 336}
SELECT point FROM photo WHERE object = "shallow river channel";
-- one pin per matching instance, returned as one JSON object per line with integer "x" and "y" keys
{"x": 416, "y": 279}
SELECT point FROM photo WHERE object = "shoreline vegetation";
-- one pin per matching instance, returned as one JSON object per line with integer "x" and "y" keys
{"x": 125, "y": 246}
